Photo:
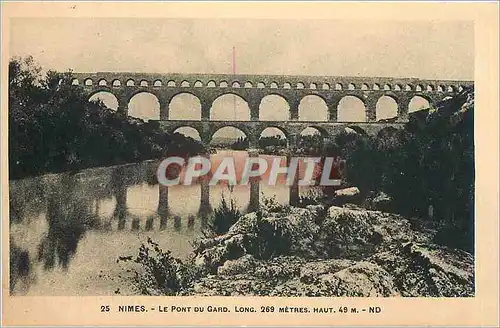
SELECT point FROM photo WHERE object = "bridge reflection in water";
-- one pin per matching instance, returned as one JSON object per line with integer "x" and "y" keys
{"x": 145, "y": 218}
{"x": 60, "y": 222}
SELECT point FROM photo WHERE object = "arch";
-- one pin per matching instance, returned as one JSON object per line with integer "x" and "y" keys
{"x": 157, "y": 83}
{"x": 261, "y": 85}
{"x": 223, "y": 84}
{"x": 326, "y": 86}
{"x": 144, "y": 105}
{"x": 235, "y": 84}
{"x": 248, "y": 84}
{"x": 130, "y": 83}
{"x": 312, "y": 130}
{"x": 387, "y": 133}
{"x": 273, "y": 136}
{"x": 387, "y": 87}
{"x": 188, "y": 131}
{"x": 300, "y": 85}
{"x": 357, "y": 129}
{"x": 230, "y": 107}
{"x": 408, "y": 87}
{"x": 311, "y": 138}
{"x": 398, "y": 87}
{"x": 430, "y": 88}
{"x": 116, "y": 83}
{"x": 107, "y": 98}
{"x": 351, "y": 109}
{"x": 211, "y": 84}
{"x": 287, "y": 85}
{"x": 419, "y": 88}
{"x": 441, "y": 88}
{"x": 376, "y": 86}
{"x": 364, "y": 86}
{"x": 171, "y": 83}
{"x": 144, "y": 83}
{"x": 460, "y": 88}
{"x": 198, "y": 84}
{"x": 338, "y": 86}
{"x": 417, "y": 103}
{"x": 312, "y": 86}
{"x": 386, "y": 108}
{"x": 351, "y": 86}
{"x": 313, "y": 108}
{"x": 75, "y": 82}
{"x": 274, "y": 85}
{"x": 184, "y": 106}
{"x": 88, "y": 82}
{"x": 102, "y": 82}
{"x": 450, "y": 88}
{"x": 274, "y": 108}
{"x": 185, "y": 84}
{"x": 229, "y": 136}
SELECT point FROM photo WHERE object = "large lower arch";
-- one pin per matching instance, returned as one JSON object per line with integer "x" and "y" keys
{"x": 313, "y": 108}
{"x": 386, "y": 108}
{"x": 229, "y": 137}
{"x": 311, "y": 140}
{"x": 184, "y": 106}
{"x": 107, "y": 98}
{"x": 314, "y": 130}
{"x": 351, "y": 109}
{"x": 229, "y": 107}
{"x": 355, "y": 129}
{"x": 188, "y": 131}
{"x": 273, "y": 137}
{"x": 418, "y": 103}
{"x": 274, "y": 108}
{"x": 144, "y": 105}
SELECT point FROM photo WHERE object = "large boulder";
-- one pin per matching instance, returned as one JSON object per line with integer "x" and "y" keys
{"x": 347, "y": 195}
{"x": 264, "y": 235}
{"x": 429, "y": 270}
{"x": 347, "y": 231}
{"x": 363, "y": 279}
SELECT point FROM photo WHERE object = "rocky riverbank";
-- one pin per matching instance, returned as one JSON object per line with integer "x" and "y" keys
{"x": 317, "y": 251}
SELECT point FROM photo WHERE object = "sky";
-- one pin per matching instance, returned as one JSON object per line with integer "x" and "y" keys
{"x": 435, "y": 50}
{"x": 423, "y": 49}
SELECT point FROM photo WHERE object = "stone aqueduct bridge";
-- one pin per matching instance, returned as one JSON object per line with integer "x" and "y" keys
{"x": 253, "y": 88}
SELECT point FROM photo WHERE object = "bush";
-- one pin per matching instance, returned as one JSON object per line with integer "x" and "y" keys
{"x": 223, "y": 217}
{"x": 160, "y": 273}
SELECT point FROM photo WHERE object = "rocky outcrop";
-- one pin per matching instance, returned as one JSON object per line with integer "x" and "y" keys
{"x": 429, "y": 270}
{"x": 348, "y": 195}
{"x": 263, "y": 235}
{"x": 339, "y": 251}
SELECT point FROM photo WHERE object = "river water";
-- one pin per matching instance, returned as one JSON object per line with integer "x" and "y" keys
{"x": 68, "y": 230}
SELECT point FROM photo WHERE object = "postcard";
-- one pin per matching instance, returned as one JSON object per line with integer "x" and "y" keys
{"x": 249, "y": 164}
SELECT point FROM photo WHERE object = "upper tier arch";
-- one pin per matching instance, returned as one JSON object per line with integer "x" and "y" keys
{"x": 253, "y": 88}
